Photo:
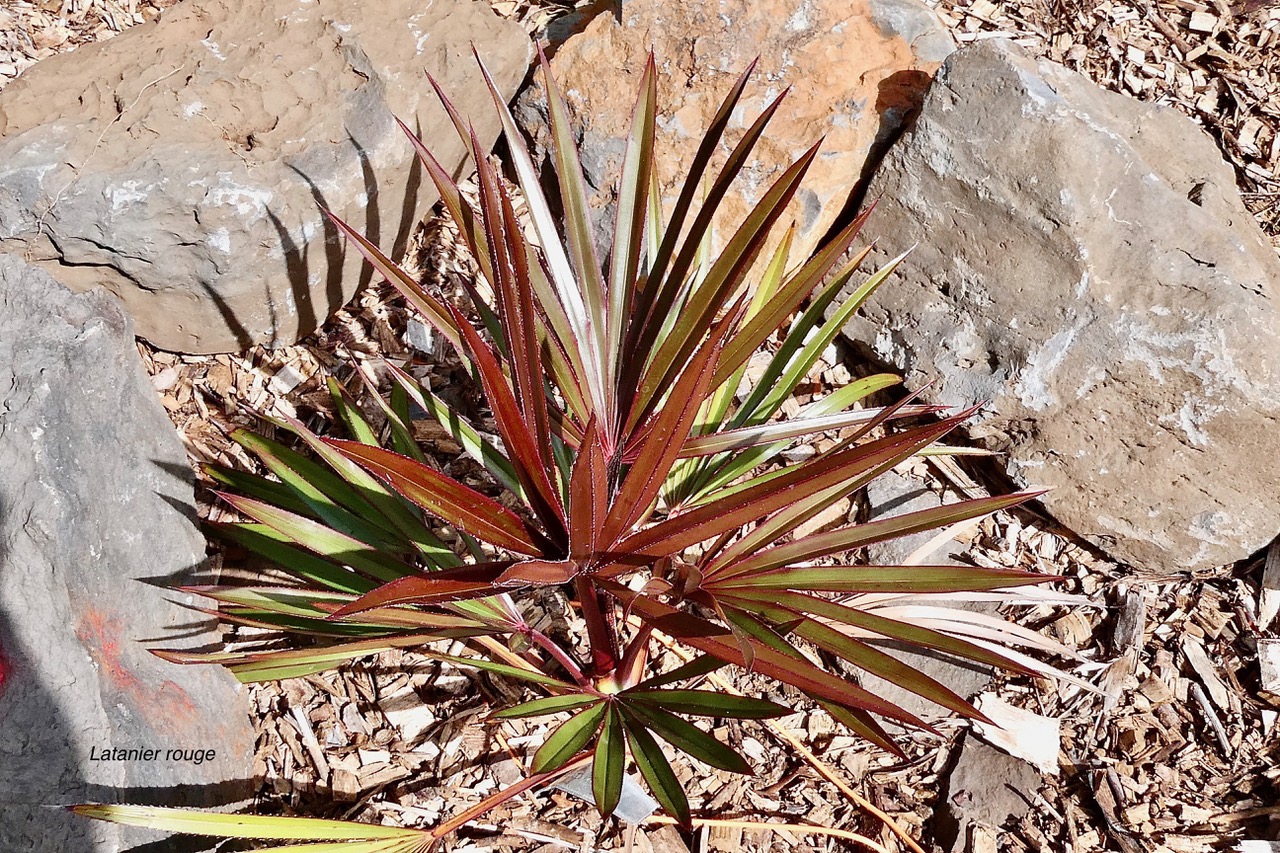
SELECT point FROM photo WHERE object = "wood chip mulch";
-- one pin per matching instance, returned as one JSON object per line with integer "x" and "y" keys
{"x": 1216, "y": 61}
{"x": 1178, "y": 752}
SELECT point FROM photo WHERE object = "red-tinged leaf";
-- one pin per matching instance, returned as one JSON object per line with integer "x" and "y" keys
{"x": 816, "y": 477}
{"x": 436, "y": 588}
{"x": 564, "y": 357}
{"x": 257, "y": 486}
{"x": 723, "y": 472}
{"x": 446, "y": 498}
{"x": 321, "y": 539}
{"x": 801, "y": 510}
{"x": 427, "y": 305}
{"x": 809, "y": 336}
{"x": 373, "y": 625}
{"x": 544, "y": 222}
{"x": 873, "y": 459}
{"x": 863, "y": 723}
{"x": 891, "y": 628}
{"x": 665, "y": 435}
{"x": 519, "y": 322}
{"x": 657, "y": 772}
{"x": 891, "y": 579}
{"x": 395, "y": 407}
{"x": 525, "y": 341}
{"x": 544, "y": 498}
{"x": 696, "y": 668}
{"x": 527, "y": 672}
{"x": 539, "y": 573}
{"x": 390, "y": 505}
{"x": 722, "y": 281}
{"x": 460, "y": 125}
{"x": 707, "y": 149}
{"x": 865, "y": 726}
{"x": 268, "y": 542}
{"x": 459, "y": 210}
{"x": 707, "y": 703}
{"x": 716, "y": 411}
{"x": 577, "y": 218}
{"x": 863, "y": 656}
{"x": 787, "y": 300}
{"x": 869, "y": 533}
{"x": 859, "y": 720}
{"x": 609, "y": 764}
{"x": 352, "y": 417}
{"x": 270, "y": 665}
{"x": 284, "y": 598}
{"x": 797, "y": 672}
{"x": 476, "y": 445}
{"x": 665, "y": 284}
{"x": 686, "y": 737}
{"x": 886, "y": 414}
{"x": 569, "y": 739}
{"x": 588, "y": 495}
{"x": 564, "y": 428}
{"x": 628, "y": 228}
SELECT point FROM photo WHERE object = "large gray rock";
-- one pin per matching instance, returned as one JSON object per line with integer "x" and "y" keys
{"x": 1085, "y": 264}
{"x": 96, "y": 494}
{"x": 182, "y": 164}
{"x": 858, "y": 67}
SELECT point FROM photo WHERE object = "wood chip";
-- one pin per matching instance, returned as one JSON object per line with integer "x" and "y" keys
{"x": 1269, "y": 594}
{"x": 1269, "y": 669}
{"x": 1021, "y": 733}
{"x": 1199, "y": 660}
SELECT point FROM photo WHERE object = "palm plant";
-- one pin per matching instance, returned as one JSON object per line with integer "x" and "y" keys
{"x": 640, "y": 475}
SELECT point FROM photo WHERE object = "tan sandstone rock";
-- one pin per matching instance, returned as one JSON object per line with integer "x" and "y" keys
{"x": 857, "y": 70}
{"x": 182, "y": 164}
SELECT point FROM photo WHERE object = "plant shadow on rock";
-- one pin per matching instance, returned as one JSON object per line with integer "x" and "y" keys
{"x": 297, "y": 257}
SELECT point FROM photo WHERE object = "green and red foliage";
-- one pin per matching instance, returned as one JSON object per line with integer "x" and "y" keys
{"x": 634, "y": 465}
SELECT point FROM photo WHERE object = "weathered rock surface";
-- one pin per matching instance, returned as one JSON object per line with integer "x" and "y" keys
{"x": 1085, "y": 264}
{"x": 858, "y": 67}
{"x": 95, "y": 493}
{"x": 984, "y": 789}
{"x": 891, "y": 494}
{"x": 182, "y": 164}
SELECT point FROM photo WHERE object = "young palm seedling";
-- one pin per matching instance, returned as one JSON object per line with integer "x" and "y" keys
{"x": 641, "y": 477}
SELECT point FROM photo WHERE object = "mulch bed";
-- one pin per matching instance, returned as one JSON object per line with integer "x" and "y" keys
{"x": 1177, "y": 753}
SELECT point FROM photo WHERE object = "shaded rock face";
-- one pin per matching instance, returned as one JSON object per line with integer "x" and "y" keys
{"x": 95, "y": 493}
{"x": 182, "y": 165}
{"x": 858, "y": 67}
{"x": 985, "y": 788}
{"x": 1085, "y": 264}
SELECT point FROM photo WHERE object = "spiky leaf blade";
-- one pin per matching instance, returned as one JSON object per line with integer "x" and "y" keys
{"x": 569, "y": 738}
{"x": 687, "y": 737}
{"x": 609, "y": 764}
{"x": 445, "y": 497}
{"x": 657, "y": 772}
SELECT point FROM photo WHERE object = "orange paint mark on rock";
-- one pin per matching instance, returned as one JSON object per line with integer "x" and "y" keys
{"x": 163, "y": 706}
